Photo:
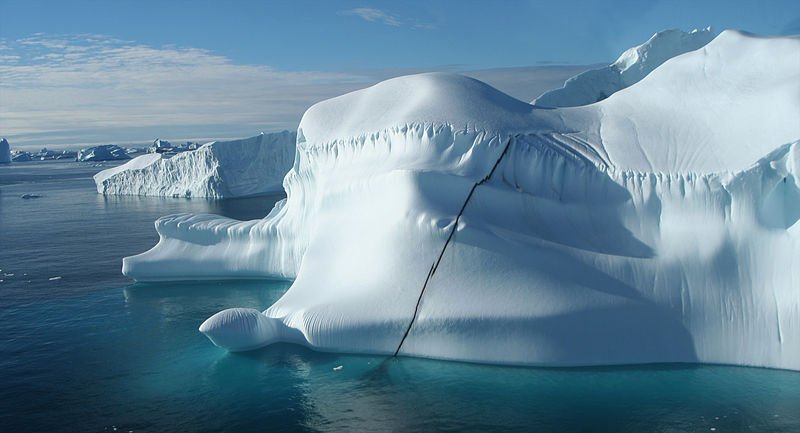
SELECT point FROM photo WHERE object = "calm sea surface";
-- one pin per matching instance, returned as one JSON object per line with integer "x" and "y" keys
{"x": 83, "y": 349}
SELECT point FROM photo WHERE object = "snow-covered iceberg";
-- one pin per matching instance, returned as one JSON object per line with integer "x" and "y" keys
{"x": 434, "y": 216}
{"x": 633, "y": 65}
{"x": 5, "y": 151}
{"x": 220, "y": 169}
{"x": 105, "y": 152}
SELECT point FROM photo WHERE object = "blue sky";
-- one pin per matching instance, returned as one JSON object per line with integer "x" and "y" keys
{"x": 75, "y": 72}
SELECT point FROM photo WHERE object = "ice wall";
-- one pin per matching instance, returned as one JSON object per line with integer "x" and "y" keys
{"x": 221, "y": 169}
{"x": 649, "y": 227}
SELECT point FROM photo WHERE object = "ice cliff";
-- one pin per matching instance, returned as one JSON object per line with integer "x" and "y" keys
{"x": 633, "y": 65}
{"x": 220, "y": 169}
{"x": 5, "y": 151}
{"x": 434, "y": 216}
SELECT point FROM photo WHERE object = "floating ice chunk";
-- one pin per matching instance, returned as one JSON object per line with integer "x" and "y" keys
{"x": 5, "y": 151}
{"x": 105, "y": 152}
{"x": 220, "y": 169}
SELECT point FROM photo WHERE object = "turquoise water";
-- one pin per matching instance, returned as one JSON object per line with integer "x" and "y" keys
{"x": 92, "y": 351}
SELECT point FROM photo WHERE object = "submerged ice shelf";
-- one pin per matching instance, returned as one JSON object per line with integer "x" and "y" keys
{"x": 658, "y": 225}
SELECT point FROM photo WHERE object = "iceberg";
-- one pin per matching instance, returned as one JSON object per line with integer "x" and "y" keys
{"x": 105, "y": 152}
{"x": 220, "y": 169}
{"x": 633, "y": 65}
{"x": 435, "y": 216}
{"x": 5, "y": 152}
{"x": 20, "y": 156}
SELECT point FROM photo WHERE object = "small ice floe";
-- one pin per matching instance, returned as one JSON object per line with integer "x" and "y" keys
{"x": 54, "y": 278}
{"x": 29, "y": 196}
{"x": 339, "y": 368}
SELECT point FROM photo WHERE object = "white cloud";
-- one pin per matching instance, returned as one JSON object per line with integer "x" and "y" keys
{"x": 378, "y": 16}
{"x": 374, "y": 15}
{"x": 84, "y": 89}
{"x": 65, "y": 89}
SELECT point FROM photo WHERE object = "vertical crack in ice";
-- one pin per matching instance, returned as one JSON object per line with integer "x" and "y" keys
{"x": 435, "y": 264}
{"x": 778, "y": 316}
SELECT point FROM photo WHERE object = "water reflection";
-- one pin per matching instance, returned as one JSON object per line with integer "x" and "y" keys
{"x": 294, "y": 387}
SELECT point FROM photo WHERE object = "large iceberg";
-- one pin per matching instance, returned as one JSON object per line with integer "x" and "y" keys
{"x": 434, "y": 216}
{"x": 633, "y": 65}
{"x": 105, "y": 152}
{"x": 220, "y": 169}
{"x": 5, "y": 151}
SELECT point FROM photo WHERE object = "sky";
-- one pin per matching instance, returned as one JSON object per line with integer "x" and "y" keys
{"x": 81, "y": 72}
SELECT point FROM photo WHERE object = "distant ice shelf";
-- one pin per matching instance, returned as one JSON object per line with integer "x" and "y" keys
{"x": 220, "y": 169}
{"x": 434, "y": 216}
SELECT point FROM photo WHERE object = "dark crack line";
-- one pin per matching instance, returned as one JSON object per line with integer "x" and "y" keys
{"x": 435, "y": 264}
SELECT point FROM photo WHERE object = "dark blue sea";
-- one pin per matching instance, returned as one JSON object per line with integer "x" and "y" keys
{"x": 84, "y": 349}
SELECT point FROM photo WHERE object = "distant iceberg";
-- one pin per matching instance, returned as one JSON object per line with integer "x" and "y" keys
{"x": 5, "y": 152}
{"x": 434, "y": 216}
{"x": 105, "y": 152}
{"x": 220, "y": 169}
{"x": 633, "y": 65}
{"x": 20, "y": 156}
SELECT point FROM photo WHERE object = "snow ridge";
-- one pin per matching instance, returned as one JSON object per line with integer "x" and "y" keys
{"x": 633, "y": 65}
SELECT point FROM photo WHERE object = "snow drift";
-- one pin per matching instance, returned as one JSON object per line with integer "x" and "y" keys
{"x": 5, "y": 151}
{"x": 633, "y": 65}
{"x": 105, "y": 152}
{"x": 434, "y": 216}
{"x": 220, "y": 169}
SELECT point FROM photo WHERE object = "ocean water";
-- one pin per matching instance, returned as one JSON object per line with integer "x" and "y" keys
{"x": 84, "y": 349}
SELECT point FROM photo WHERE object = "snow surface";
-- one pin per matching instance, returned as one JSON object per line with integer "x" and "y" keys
{"x": 5, "y": 151}
{"x": 105, "y": 152}
{"x": 633, "y": 65}
{"x": 220, "y": 169}
{"x": 659, "y": 225}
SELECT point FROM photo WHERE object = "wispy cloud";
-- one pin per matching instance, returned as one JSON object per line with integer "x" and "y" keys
{"x": 373, "y": 15}
{"x": 67, "y": 86}
{"x": 71, "y": 90}
{"x": 379, "y": 16}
